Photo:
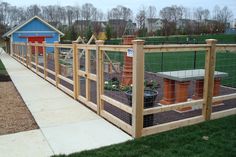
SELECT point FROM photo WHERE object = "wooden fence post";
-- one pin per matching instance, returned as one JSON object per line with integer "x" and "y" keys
{"x": 36, "y": 55}
{"x": 30, "y": 55}
{"x": 16, "y": 52}
{"x": 75, "y": 69}
{"x": 44, "y": 61}
{"x": 209, "y": 78}
{"x": 27, "y": 54}
{"x": 138, "y": 88}
{"x": 19, "y": 49}
{"x": 56, "y": 62}
{"x": 100, "y": 72}
{"x": 22, "y": 53}
{"x": 87, "y": 71}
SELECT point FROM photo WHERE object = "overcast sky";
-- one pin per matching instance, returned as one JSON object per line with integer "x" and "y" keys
{"x": 105, "y": 5}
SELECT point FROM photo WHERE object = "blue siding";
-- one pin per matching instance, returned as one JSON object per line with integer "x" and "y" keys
{"x": 16, "y": 38}
{"x": 35, "y": 28}
{"x": 35, "y": 25}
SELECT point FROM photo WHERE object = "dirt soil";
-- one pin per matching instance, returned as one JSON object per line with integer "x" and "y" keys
{"x": 14, "y": 115}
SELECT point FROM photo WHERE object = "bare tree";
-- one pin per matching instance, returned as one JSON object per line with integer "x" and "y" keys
{"x": 16, "y": 15}
{"x": 140, "y": 18}
{"x": 170, "y": 16}
{"x": 227, "y": 14}
{"x": 151, "y": 12}
{"x": 33, "y": 10}
{"x": 97, "y": 21}
{"x": 120, "y": 12}
{"x": 118, "y": 18}
{"x": 4, "y": 16}
{"x": 70, "y": 14}
{"x": 87, "y": 11}
{"x": 49, "y": 13}
{"x": 201, "y": 15}
{"x": 77, "y": 12}
{"x": 186, "y": 13}
{"x": 223, "y": 17}
{"x": 151, "y": 17}
{"x": 206, "y": 14}
{"x": 126, "y": 13}
{"x": 60, "y": 13}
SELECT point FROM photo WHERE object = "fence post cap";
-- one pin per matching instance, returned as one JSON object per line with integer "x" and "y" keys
{"x": 140, "y": 42}
{"x": 99, "y": 42}
{"x": 211, "y": 41}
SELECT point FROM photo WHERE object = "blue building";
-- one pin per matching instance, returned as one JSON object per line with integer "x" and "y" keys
{"x": 33, "y": 30}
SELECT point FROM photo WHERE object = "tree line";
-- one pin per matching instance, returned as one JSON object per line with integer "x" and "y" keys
{"x": 84, "y": 19}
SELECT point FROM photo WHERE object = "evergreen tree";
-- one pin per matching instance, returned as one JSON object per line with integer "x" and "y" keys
{"x": 108, "y": 31}
{"x": 88, "y": 33}
{"x": 73, "y": 33}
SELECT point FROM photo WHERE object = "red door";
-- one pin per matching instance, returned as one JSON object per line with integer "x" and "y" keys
{"x": 39, "y": 40}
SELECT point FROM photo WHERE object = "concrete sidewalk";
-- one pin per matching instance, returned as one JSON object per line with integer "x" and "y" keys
{"x": 66, "y": 126}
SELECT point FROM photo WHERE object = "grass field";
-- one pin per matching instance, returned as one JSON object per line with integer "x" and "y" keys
{"x": 190, "y": 39}
{"x": 215, "y": 138}
{"x": 181, "y": 39}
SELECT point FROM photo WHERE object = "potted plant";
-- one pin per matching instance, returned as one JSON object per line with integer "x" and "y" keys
{"x": 150, "y": 94}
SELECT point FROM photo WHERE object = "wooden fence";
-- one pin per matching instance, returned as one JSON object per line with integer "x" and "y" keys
{"x": 51, "y": 72}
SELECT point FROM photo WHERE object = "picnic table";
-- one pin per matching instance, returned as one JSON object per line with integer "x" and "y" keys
{"x": 176, "y": 84}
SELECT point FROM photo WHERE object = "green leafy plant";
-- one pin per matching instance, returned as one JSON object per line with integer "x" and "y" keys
{"x": 114, "y": 85}
{"x": 151, "y": 84}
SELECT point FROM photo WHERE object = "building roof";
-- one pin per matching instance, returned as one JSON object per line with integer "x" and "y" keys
{"x": 7, "y": 34}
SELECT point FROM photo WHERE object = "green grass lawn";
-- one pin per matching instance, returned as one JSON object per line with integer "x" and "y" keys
{"x": 180, "y": 39}
{"x": 215, "y": 138}
{"x": 190, "y": 39}
{"x": 2, "y": 69}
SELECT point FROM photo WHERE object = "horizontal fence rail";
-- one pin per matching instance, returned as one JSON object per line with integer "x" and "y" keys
{"x": 101, "y": 77}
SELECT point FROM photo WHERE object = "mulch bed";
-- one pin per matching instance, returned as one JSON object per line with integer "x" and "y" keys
{"x": 14, "y": 114}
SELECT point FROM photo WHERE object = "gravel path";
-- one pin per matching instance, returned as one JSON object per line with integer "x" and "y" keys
{"x": 14, "y": 115}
